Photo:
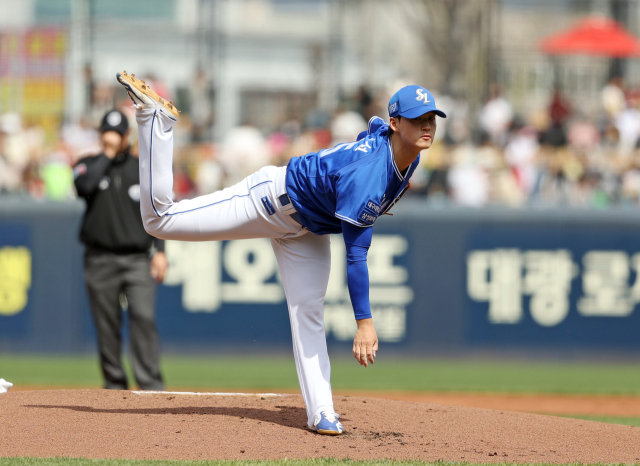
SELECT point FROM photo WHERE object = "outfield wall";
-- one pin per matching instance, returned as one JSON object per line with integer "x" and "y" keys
{"x": 446, "y": 280}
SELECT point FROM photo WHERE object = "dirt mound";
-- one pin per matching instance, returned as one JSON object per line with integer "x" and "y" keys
{"x": 117, "y": 424}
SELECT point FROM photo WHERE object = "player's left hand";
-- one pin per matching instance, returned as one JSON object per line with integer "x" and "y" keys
{"x": 365, "y": 343}
{"x": 159, "y": 266}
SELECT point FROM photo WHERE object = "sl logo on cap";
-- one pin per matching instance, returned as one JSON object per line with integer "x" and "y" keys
{"x": 422, "y": 95}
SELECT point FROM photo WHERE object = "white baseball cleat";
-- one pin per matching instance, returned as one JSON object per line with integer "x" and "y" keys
{"x": 142, "y": 95}
{"x": 5, "y": 386}
{"x": 327, "y": 423}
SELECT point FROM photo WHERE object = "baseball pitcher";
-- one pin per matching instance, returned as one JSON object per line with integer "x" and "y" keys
{"x": 339, "y": 190}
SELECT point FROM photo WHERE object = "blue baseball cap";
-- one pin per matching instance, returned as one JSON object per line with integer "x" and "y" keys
{"x": 412, "y": 102}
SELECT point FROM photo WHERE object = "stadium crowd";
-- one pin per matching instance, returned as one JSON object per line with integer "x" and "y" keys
{"x": 556, "y": 156}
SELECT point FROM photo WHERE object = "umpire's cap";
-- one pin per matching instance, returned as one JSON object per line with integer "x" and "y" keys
{"x": 412, "y": 102}
{"x": 114, "y": 120}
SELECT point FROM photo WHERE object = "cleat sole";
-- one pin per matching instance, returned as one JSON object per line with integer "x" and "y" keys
{"x": 143, "y": 88}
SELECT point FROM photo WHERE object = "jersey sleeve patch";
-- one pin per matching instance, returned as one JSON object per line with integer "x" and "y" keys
{"x": 268, "y": 206}
{"x": 374, "y": 206}
{"x": 369, "y": 212}
{"x": 367, "y": 217}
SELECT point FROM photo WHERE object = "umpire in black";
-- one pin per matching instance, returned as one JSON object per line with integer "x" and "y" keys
{"x": 121, "y": 262}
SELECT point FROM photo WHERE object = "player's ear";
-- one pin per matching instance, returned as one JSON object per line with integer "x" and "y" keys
{"x": 393, "y": 123}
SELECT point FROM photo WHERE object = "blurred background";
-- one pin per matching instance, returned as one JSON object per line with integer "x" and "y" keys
{"x": 519, "y": 236}
{"x": 531, "y": 122}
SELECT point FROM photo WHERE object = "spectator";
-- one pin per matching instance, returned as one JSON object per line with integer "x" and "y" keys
{"x": 467, "y": 179}
{"x": 559, "y": 109}
{"x": 346, "y": 126}
{"x": 209, "y": 174}
{"x": 201, "y": 112}
{"x": 520, "y": 154}
{"x": 559, "y": 112}
{"x": 496, "y": 116}
{"x": 612, "y": 97}
{"x": 627, "y": 123}
{"x": 81, "y": 139}
{"x": 364, "y": 100}
{"x": 244, "y": 151}
{"x": 9, "y": 174}
{"x": 56, "y": 176}
{"x": 583, "y": 135}
{"x": 15, "y": 146}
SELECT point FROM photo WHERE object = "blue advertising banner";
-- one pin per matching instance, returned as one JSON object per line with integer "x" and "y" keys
{"x": 446, "y": 281}
{"x": 42, "y": 256}
{"x": 15, "y": 278}
{"x": 560, "y": 286}
{"x": 230, "y": 292}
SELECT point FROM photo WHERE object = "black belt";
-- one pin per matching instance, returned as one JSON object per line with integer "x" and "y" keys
{"x": 285, "y": 200}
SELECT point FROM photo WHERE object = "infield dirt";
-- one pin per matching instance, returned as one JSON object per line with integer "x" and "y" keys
{"x": 123, "y": 424}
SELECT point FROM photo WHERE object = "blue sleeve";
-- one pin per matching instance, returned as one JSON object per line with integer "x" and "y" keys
{"x": 357, "y": 241}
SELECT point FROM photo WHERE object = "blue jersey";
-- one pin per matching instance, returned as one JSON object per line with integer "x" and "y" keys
{"x": 354, "y": 182}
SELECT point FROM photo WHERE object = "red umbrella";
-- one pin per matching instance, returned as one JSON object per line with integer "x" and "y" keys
{"x": 594, "y": 35}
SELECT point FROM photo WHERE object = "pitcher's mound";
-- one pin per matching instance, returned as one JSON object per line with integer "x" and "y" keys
{"x": 134, "y": 425}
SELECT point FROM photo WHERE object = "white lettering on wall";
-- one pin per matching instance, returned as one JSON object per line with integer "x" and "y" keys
{"x": 502, "y": 277}
{"x": 252, "y": 272}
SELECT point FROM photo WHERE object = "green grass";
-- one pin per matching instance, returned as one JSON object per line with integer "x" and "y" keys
{"x": 625, "y": 421}
{"x": 311, "y": 462}
{"x": 278, "y": 373}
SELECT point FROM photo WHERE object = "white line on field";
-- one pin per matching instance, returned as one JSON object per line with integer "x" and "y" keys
{"x": 151, "y": 392}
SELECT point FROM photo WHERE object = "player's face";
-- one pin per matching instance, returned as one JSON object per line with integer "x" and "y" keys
{"x": 418, "y": 132}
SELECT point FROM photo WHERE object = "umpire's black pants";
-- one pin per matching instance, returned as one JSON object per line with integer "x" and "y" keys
{"x": 107, "y": 275}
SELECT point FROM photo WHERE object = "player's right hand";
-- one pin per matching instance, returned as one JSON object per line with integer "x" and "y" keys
{"x": 365, "y": 343}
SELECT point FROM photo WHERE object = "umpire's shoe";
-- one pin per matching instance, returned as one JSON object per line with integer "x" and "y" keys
{"x": 327, "y": 423}
{"x": 142, "y": 95}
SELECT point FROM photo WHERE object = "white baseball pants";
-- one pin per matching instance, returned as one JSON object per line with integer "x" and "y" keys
{"x": 250, "y": 209}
